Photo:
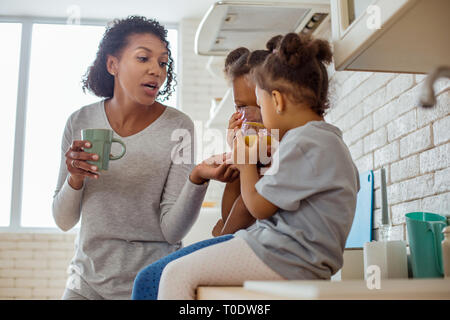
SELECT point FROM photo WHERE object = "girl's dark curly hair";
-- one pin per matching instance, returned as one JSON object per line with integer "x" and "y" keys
{"x": 297, "y": 67}
{"x": 97, "y": 78}
{"x": 241, "y": 61}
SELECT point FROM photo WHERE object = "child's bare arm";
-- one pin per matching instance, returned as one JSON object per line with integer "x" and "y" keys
{"x": 230, "y": 194}
{"x": 239, "y": 218}
{"x": 257, "y": 205}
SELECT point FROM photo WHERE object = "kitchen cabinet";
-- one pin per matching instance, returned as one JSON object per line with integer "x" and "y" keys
{"x": 390, "y": 36}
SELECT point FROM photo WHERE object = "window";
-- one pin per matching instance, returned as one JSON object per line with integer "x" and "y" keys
{"x": 59, "y": 55}
{"x": 9, "y": 78}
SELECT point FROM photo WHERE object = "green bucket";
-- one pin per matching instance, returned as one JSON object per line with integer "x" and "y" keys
{"x": 425, "y": 237}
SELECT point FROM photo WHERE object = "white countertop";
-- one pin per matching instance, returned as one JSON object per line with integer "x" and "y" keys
{"x": 353, "y": 289}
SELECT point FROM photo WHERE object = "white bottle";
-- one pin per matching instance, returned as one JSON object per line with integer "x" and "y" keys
{"x": 446, "y": 251}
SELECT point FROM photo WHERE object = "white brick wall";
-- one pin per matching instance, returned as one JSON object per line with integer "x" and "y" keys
{"x": 417, "y": 141}
{"x": 412, "y": 143}
{"x": 404, "y": 169}
{"x": 33, "y": 266}
{"x": 441, "y": 132}
{"x": 435, "y": 159}
{"x": 374, "y": 140}
{"x": 402, "y": 125}
{"x": 386, "y": 154}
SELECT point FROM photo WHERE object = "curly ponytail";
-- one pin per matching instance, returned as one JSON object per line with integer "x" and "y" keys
{"x": 296, "y": 67}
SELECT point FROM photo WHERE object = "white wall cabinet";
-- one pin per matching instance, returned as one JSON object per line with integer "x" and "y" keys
{"x": 410, "y": 36}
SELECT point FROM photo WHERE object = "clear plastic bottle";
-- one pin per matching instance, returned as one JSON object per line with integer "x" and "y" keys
{"x": 446, "y": 251}
{"x": 384, "y": 232}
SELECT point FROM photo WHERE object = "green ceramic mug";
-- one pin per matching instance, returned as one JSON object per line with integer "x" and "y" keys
{"x": 101, "y": 141}
{"x": 425, "y": 237}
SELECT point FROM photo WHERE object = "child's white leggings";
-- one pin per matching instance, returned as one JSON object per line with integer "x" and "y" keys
{"x": 228, "y": 263}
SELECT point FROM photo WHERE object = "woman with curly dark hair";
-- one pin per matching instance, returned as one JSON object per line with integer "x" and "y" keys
{"x": 140, "y": 208}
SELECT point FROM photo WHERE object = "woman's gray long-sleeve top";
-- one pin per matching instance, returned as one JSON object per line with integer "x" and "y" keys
{"x": 137, "y": 211}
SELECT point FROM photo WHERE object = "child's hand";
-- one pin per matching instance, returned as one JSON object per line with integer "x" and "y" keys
{"x": 235, "y": 122}
{"x": 266, "y": 146}
{"x": 242, "y": 153}
{"x": 217, "y": 230}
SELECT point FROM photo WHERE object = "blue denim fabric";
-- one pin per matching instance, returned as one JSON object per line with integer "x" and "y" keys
{"x": 146, "y": 283}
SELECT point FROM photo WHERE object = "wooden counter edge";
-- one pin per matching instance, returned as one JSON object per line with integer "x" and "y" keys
{"x": 232, "y": 293}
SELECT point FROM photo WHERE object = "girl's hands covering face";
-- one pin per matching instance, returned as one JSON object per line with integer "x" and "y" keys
{"x": 234, "y": 122}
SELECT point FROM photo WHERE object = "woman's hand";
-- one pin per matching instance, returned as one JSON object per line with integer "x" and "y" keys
{"x": 234, "y": 122}
{"x": 217, "y": 167}
{"x": 76, "y": 163}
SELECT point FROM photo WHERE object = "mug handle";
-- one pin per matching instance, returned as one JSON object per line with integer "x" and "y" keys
{"x": 124, "y": 149}
{"x": 436, "y": 229}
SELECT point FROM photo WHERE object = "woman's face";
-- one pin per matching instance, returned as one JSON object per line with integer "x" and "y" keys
{"x": 243, "y": 92}
{"x": 141, "y": 68}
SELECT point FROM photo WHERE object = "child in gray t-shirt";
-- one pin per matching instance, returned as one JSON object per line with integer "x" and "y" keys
{"x": 305, "y": 203}
{"x": 314, "y": 189}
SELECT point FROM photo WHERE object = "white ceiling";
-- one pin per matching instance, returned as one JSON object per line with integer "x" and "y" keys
{"x": 166, "y": 11}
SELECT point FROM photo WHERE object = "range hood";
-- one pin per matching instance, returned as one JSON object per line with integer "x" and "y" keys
{"x": 230, "y": 24}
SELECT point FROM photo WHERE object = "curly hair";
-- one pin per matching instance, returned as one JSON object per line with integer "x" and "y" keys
{"x": 98, "y": 80}
{"x": 241, "y": 61}
{"x": 297, "y": 67}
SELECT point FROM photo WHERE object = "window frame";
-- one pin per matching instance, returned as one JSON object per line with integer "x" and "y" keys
{"x": 21, "y": 113}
